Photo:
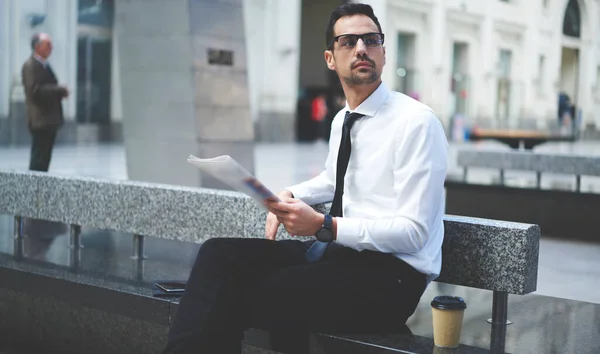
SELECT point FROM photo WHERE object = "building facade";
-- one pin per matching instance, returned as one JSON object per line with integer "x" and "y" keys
{"x": 501, "y": 63}
{"x": 84, "y": 58}
{"x": 497, "y": 62}
{"x": 504, "y": 61}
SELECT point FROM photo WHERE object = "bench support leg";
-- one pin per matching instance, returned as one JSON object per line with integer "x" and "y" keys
{"x": 140, "y": 269}
{"x": 464, "y": 174}
{"x": 75, "y": 233}
{"x": 578, "y": 183}
{"x": 500, "y": 309}
{"x": 502, "y": 177}
{"x": 499, "y": 321}
{"x": 75, "y": 245}
{"x": 138, "y": 247}
{"x": 538, "y": 183}
{"x": 18, "y": 241}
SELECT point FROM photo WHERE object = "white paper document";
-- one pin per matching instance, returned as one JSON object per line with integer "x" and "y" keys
{"x": 230, "y": 172}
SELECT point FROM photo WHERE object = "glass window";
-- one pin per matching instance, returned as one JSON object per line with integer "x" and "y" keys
{"x": 572, "y": 21}
{"x": 504, "y": 65}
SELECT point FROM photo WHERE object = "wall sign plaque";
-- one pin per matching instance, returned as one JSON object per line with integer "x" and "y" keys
{"x": 220, "y": 57}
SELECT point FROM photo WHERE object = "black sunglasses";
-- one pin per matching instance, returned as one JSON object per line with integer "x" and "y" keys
{"x": 348, "y": 41}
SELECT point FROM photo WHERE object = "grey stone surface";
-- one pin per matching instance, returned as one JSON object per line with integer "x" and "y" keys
{"x": 81, "y": 287}
{"x": 18, "y": 193}
{"x": 530, "y": 161}
{"x": 169, "y": 212}
{"x": 488, "y": 254}
{"x": 175, "y": 102}
{"x": 66, "y": 328}
{"x": 275, "y": 126}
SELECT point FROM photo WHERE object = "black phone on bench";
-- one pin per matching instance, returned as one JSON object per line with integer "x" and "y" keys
{"x": 171, "y": 286}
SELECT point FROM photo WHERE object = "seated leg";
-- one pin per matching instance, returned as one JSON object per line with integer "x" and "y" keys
{"x": 209, "y": 316}
{"x": 347, "y": 291}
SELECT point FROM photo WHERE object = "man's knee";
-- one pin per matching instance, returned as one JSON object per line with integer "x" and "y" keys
{"x": 221, "y": 248}
{"x": 214, "y": 246}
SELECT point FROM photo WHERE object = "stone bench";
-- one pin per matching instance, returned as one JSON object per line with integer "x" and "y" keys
{"x": 485, "y": 254}
{"x": 576, "y": 165}
{"x": 559, "y": 212}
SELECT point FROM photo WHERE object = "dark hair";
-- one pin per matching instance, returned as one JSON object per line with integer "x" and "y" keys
{"x": 348, "y": 9}
{"x": 35, "y": 39}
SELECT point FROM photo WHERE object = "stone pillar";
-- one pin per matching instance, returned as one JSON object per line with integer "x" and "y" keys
{"x": 273, "y": 32}
{"x": 184, "y": 87}
{"x": 439, "y": 59}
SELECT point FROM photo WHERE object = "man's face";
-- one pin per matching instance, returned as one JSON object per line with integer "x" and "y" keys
{"x": 357, "y": 62}
{"x": 44, "y": 47}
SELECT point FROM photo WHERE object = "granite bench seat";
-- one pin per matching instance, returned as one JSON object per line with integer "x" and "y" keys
{"x": 486, "y": 254}
{"x": 559, "y": 212}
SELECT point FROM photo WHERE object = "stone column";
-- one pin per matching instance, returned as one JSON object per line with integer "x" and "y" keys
{"x": 438, "y": 96}
{"x": 184, "y": 87}
{"x": 273, "y": 30}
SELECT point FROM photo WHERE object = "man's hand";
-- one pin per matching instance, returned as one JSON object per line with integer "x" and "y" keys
{"x": 298, "y": 218}
{"x": 272, "y": 222}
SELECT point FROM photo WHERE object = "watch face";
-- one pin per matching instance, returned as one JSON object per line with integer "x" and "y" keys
{"x": 324, "y": 235}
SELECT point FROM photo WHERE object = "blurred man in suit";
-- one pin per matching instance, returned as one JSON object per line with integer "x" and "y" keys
{"x": 43, "y": 101}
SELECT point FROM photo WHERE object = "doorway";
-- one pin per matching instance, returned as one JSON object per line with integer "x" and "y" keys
{"x": 93, "y": 79}
{"x": 316, "y": 81}
{"x": 94, "y": 61}
{"x": 569, "y": 73}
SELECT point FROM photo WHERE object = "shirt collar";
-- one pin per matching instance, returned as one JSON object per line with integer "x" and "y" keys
{"x": 42, "y": 61}
{"x": 371, "y": 105}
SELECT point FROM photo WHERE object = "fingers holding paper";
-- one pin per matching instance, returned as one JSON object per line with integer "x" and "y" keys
{"x": 298, "y": 218}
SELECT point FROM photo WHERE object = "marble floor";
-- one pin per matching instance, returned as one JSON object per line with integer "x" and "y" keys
{"x": 567, "y": 269}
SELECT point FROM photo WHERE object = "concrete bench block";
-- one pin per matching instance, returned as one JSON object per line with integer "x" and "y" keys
{"x": 530, "y": 161}
{"x": 487, "y": 254}
{"x": 18, "y": 194}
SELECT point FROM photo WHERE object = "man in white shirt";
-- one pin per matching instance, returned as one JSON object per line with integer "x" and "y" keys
{"x": 373, "y": 254}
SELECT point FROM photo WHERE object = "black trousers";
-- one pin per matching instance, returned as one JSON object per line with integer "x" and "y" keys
{"x": 42, "y": 143}
{"x": 236, "y": 284}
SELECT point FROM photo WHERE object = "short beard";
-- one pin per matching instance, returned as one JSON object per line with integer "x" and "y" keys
{"x": 355, "y": 80}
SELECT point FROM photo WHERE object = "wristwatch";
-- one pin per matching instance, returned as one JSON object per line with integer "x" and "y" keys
{"x": 325, "y": 233}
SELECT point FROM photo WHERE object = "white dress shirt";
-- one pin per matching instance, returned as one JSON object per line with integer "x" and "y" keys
{"x": 393, "y": 198}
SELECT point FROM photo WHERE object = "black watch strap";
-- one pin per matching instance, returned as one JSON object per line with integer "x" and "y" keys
{"x": 327, "y": 222}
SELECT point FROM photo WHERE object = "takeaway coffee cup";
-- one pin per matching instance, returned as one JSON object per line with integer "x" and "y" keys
{"x": 447, "y": 314}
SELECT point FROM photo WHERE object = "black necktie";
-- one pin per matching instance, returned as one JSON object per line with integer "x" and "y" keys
{"x": 317, "y": 250}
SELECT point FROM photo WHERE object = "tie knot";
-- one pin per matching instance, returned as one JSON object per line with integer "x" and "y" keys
{"x": 351, "y": 118}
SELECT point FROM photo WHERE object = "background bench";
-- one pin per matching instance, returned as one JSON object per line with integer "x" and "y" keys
{"x": 568, "y": 213}
{"x": 486, "y": 254}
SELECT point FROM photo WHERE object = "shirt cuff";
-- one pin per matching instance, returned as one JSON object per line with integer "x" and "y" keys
{"x": 348, "y": 233}
{"x": 299, "y": 192}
